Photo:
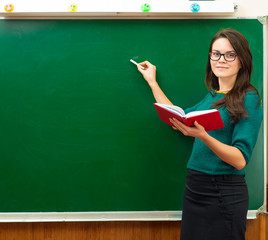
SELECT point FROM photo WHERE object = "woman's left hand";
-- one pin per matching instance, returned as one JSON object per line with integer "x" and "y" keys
{"x": 197, "y": 130}
{"x": 229, "y": 154}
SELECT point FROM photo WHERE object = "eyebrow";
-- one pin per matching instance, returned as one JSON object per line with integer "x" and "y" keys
{"x": 232, "y": 51}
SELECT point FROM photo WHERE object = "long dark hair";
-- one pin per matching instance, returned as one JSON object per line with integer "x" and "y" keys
{"x": 234, "y": 99}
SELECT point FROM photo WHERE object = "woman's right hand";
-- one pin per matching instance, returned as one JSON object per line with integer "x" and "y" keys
{"x": 149, "y": 72}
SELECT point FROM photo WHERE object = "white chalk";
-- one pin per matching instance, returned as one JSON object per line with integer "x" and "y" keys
{"x": 136, "y": 63}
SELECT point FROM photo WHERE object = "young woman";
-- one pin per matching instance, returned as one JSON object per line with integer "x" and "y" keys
{"x": 215, "y": 200}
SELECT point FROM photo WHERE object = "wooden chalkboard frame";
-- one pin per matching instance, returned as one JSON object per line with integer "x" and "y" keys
{"x": 135, "y": 215}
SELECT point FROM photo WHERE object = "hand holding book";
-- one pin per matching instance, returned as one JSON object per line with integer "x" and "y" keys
{"x": 209, "y": 119}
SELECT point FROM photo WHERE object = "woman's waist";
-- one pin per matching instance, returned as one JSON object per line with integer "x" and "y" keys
{"x": 215, "y": 177}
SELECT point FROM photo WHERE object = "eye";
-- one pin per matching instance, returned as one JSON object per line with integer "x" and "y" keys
{"x": 230, "y": 54}
{"x": 216, "y": 54}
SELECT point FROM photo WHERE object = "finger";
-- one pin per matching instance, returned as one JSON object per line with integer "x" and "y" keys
{"x": 147, "y": 64}
{"x": 173, "y": 123}
{"x": 177, "y": 126}
{"x": 176, "y": 123}
{"x": 182, "y": 130}
{"x": 197, "y": 125}
{"x": 141, "y": 68}
{"x": 144, "y": 64}
{"x": 185, "y": 130}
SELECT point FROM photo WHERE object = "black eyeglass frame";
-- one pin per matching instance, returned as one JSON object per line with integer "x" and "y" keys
{"x": 222, "y": 54}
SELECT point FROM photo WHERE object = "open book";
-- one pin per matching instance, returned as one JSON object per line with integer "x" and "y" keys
{"x": 209, "y": 119}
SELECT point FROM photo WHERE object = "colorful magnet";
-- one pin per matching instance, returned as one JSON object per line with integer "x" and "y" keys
{"x": 195, "y": 7}
{"x": 9, "y": 7}
{"x": 72, "y": 7}
{"x": 145, "y": 7}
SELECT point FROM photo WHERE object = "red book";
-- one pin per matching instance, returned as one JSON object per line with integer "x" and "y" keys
{"x": 209, "y": 119}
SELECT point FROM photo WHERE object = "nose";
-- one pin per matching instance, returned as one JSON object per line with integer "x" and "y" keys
{"x": 222, "y": 58}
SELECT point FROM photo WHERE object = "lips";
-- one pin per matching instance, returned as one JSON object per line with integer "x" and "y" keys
{"x": 221, "y": 67}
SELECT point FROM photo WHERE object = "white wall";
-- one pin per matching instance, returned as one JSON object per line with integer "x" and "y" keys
{"x": 246, "y": 7}
{"x": 252, "y": 8}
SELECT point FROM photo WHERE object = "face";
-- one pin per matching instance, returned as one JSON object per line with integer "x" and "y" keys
{"x": 226, "y": 71}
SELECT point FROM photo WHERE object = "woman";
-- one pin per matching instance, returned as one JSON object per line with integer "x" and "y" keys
{"x": 216, "y": 199}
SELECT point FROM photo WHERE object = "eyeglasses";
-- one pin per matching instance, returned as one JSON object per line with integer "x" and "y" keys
{"x": 229, "y": 57}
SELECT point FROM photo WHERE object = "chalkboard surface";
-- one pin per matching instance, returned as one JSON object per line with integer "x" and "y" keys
{"x": 78, "y": 128}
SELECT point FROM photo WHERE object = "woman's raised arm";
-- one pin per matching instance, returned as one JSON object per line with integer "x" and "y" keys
{"x": 149, "y": 74}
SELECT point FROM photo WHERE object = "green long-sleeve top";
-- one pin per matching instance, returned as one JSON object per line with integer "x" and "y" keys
{"x": 242, "y": 135}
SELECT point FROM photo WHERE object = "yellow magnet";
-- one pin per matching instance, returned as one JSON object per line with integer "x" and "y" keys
{"x": 9, "y": 7}
{"x": 72, "y": 7}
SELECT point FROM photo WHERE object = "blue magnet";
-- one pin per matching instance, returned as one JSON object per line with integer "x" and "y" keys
{"x": 195, "y": 7}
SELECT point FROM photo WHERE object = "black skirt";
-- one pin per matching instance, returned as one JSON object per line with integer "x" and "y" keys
{"x": 214, "y": 207}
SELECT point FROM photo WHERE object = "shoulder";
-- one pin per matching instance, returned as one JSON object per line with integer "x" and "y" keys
{"x": 253, "y": 104}
{"x": 252, "y": 98}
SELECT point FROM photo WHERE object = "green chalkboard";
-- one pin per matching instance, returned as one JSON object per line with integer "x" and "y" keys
{"x": 78, "y": 128}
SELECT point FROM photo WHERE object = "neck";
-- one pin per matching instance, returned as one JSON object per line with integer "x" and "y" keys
{"x": 225, "y": 86}
{"x": 224, "y": 90}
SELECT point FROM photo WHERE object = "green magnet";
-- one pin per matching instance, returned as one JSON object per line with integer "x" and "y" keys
{"x": 145, "y": 7}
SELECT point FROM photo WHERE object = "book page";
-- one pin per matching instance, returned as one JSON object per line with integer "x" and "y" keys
{"x": 196, "y": 113}
{"x": 175, "y": 109}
